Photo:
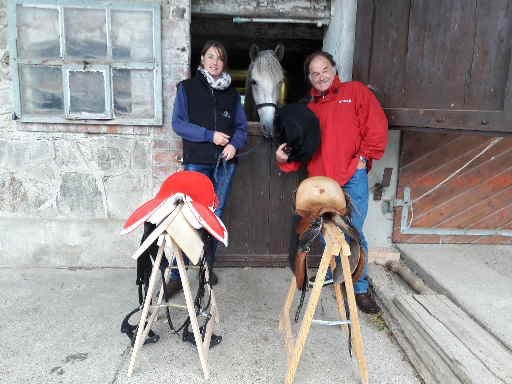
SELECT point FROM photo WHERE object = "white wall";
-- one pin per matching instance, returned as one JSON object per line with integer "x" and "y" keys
{"x": 339, "y": 38}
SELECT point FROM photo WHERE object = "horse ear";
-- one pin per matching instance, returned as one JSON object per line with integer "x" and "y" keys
{"x": 279, "y": 51}
{"x": 253, "y": 51}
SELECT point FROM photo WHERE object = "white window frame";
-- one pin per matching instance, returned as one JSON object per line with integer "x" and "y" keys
{"x": 106, "y": 65}
{"x": 105, "y": 71}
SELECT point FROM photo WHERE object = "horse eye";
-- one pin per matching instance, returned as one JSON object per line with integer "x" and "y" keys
{"x": 253, "y": 82}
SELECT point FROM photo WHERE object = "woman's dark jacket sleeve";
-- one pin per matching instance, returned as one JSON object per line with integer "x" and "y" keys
{"x": 181, "y": 123}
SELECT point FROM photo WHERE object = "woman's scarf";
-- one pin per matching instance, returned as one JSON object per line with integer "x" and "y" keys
{"x": 221, "y": 83}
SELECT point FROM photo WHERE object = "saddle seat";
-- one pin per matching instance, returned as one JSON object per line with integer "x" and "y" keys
{"x": 318, "y": 195}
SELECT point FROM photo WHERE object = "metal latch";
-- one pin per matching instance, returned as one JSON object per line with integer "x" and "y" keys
{"x": 378, "y": 188}
{"x": 407, "y": 229}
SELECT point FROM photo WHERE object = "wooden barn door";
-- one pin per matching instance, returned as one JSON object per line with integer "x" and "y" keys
{"x": 258, "y": 213}
{"x": 477, "y": 197}
{"x": 443, "y": 71}
{"x": 438, "y": 64}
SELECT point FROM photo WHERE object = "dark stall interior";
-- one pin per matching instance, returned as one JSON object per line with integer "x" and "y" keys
{"x": 299, "y": 41}
{"x": 259, "y": 206}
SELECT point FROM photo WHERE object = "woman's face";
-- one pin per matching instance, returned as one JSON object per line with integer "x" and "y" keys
{"x": 212, "y": 62}
{"x": 321, "y": 73}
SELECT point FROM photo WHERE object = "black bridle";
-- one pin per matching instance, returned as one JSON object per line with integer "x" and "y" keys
{"x": 261, "y": 105}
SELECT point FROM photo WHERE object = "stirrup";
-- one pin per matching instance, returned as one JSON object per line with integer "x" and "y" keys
{"x": 189, "y": 336}
{"x": 131, "y": 330}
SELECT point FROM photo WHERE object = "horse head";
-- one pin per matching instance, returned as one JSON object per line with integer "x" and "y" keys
{"x": 265, "y": 76}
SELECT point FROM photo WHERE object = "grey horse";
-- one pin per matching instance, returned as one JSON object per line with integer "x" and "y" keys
{"x": 265, "y": 77}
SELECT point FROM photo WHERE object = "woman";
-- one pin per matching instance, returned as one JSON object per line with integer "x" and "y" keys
{"x": 209, "y": 117}
{"x": 354, "y": 133}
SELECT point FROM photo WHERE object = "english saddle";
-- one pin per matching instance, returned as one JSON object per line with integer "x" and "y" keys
{"x": 318, "y": 199}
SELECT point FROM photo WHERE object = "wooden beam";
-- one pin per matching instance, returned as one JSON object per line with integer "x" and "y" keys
{"x": 465, "y": 120}
{"x": 508, "y": 96}
{"x": 307, "y": 9}
{"x": 222, "y": 28}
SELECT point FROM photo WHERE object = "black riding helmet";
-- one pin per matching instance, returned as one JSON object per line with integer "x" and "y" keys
{"x": 299, "y": 128}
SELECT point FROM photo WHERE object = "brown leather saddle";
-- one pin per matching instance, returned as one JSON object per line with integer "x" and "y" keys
{"x": 318, "y": 199}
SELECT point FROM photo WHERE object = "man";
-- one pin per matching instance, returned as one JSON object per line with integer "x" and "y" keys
{"x": 354, "y": 132}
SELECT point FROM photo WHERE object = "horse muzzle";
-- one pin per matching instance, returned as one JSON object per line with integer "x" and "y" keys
{"x": 267, "y": 117}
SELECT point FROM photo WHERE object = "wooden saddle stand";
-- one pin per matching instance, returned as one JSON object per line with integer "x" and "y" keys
{"x": 182, "y": 208}
{"x": 178, "y": 237}
{"x": 312, "y": 203}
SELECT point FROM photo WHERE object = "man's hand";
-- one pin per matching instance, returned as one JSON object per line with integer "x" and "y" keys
{"x": 281, "y": 155}
{"x": 220, "y": 138}
{"x": 361, "y": 164}
{"x": 229, "y": 152}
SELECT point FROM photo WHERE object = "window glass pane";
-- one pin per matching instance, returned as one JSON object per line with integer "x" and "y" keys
{"x": 38, "y": 32}
{"x": 133, "y": 93}
{"x": 85, "y": 31}
{"x": 41, "y": 90}
{"x": 132, "y": 35}
{"x": 86, "y": 92}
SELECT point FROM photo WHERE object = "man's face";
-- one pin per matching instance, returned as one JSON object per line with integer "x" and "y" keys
{"x": 321, "y": 73}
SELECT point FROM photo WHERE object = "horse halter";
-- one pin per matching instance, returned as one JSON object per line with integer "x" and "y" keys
{"x": 261, "y": 105}
{"x": 276, "y": 113}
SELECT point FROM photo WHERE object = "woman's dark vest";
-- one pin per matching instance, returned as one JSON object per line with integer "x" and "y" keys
{"x": 212, "y": 109}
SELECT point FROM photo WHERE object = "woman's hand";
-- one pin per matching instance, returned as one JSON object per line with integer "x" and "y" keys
{"x": 281, "y": 155}
{"x": 220, "y": 138}
{"x": 229, "y": 152}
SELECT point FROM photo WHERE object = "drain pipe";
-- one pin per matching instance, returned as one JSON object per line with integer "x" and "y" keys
{"x": 318, "y": 22}
{"x": 340, "y": 36}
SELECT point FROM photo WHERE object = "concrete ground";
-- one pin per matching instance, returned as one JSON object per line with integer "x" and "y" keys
{"x": 478, "y": 278}
{"x": 62, "y": 326}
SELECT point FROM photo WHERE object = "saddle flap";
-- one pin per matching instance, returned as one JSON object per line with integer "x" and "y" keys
{"x": 357, "y": 258}
{"x": 200, "y": 216}
{"x": 304, "y": 231}
{"x": 301, "y": 269}
{"x": 187, "y": 237}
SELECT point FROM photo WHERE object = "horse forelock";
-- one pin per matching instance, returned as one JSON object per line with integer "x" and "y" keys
{"x": 266, "y": 64}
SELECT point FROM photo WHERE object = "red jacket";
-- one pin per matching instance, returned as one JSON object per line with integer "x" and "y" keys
{"x": 352, "y": 124}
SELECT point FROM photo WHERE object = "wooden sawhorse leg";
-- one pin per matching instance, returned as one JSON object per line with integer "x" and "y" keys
{"x": 145, "y": 323}
{"x": 150, "y": 311}
{"x": 203, "y": 346}
{"x": 357, "y": 338}
{"x": 335, "y": 245}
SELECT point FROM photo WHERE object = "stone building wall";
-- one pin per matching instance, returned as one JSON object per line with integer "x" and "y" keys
{"x": 65, "y": 190}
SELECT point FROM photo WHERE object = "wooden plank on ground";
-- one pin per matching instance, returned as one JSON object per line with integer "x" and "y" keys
{"x": 463, "y": 362}
{"x": 423, "y": 354}
{"x": 493, "y": 354}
